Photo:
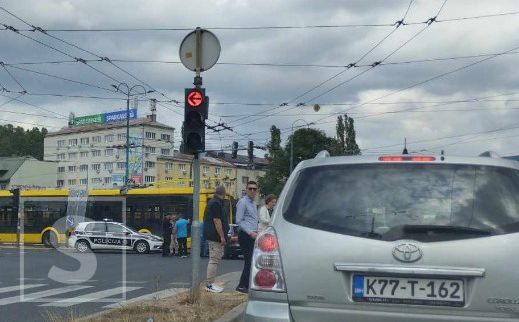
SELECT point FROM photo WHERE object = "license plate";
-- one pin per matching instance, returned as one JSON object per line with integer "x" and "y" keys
{"x": 418, "y": 291}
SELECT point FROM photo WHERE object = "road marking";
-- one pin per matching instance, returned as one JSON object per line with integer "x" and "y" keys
{"x": 34, "y": 296}
{"x": 32, "y": 279}
{"x": 18, "y": 287}
{"x": 91, "y": 297}
{"x": 133, "y": 282}
{"x": 150, "y": 296}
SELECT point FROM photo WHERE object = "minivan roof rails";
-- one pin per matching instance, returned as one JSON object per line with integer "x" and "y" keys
{"x": 490, "y": 154}
{"x": 322, "y": 154}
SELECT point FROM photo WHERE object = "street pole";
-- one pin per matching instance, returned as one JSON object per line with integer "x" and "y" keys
{"x": 292, "y": 143}
{"x": 128, "y": 94}
{"x": 195, "y": 225}
{"x": 195, "y": 229}
{"x": 127, "y": 177}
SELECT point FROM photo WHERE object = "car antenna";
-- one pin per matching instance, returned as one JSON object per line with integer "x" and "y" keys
{"x": 405, "y": 147}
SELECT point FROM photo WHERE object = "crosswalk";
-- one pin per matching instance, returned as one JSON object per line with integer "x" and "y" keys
{"x": 64, "y": 296}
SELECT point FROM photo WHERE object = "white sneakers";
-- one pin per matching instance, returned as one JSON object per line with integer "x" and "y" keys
{"x": 213, "y": 288}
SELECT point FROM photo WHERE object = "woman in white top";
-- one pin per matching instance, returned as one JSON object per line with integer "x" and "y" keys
{"x": 266, "y": 211}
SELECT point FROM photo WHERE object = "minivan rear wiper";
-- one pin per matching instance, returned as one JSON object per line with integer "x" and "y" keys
{"x": 434, "y": 232}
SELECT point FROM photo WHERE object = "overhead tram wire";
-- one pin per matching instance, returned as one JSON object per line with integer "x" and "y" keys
{"x": 428, "y": 23}
{"x": 30, "y": 104}
{"x": 349, "y": 66}
{"x": 375, "y": 64}
{"x": 287, "y": 27}
{"x": 101, "y": 58}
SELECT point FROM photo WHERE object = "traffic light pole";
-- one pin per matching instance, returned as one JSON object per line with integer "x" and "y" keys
{"x": 195, "y": 230}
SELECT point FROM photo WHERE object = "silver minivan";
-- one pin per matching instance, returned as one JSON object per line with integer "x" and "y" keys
{"x": 391, "y": 238}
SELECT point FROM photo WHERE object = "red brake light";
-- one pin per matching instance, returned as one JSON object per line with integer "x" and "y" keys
{"x": 73, "y": 233}
{"x": 265, "y": 278}
{"x": 234, "y": 239}
{"x": 396, "y": 158}
{"x": 268, "y": 243}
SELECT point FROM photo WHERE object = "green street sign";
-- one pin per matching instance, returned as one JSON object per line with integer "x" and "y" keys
{"x": 89, "y": 119}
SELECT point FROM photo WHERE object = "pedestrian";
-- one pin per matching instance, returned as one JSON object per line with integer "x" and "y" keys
{"x": 216, "y": 225}
{"x": 174, "y": 241}
{"x": 181, "y": 226}
{"x": 166, "y": 235}
{"x": 247, "y": 220}
{"x": 266, "y": 211}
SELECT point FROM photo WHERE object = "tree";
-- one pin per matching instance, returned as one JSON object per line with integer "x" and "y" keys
{"x": 352, "y": 148}
{"x": 277, "y": 170}
{"x": 16, "y": 141}
{"x": 346, "y": 136}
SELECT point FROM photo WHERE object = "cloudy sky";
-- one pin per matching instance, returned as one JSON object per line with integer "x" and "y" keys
{"x": 440, "y": 85}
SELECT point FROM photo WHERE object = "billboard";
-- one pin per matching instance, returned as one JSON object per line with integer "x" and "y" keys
{"x": 136, "y": 160}
{"x": 89, "y": 119}
{"x": 119, "y": 116}
{"x": 104, "y": 118}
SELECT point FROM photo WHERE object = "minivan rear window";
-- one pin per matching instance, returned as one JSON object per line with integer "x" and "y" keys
{"x": 425, "y": 202}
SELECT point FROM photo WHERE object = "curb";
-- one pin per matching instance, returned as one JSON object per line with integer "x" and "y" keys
{"x": 234, "y": 315}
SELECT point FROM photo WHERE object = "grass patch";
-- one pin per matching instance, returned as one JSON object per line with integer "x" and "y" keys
{"x": 179, "y": 308}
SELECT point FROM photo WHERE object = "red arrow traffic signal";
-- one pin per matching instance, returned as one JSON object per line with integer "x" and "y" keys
{"x": 195, "y": 98}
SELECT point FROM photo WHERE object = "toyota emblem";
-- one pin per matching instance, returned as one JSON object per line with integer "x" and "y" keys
{"x": 407, "y": 252}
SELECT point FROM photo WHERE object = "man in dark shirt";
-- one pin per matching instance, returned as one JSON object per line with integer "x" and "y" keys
{"x": 166, "y": 235}
{"x": 216, "y": 226}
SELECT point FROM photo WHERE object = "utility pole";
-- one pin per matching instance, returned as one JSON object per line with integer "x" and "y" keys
{"x": 129, "y": 93}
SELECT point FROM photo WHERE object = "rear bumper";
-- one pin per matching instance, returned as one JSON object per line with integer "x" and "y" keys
{"x": 261, "y": 311}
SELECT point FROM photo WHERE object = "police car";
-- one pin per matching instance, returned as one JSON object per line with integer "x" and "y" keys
{"x": 101, "y": 235}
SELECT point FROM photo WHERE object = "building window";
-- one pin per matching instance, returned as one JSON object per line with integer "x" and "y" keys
{"x": 83, "y": 168}
{"x": 84, "y": 141}
{"x": 206, "y": 184}
{"x": 228, "y": 172}
{"x": 96, "y": 153}
{"x": 71, "y": 182}
{"x": 60, "y": 183}
{"x": 96, "y": 166}
{"x": 61, "y": 143}
{"x": 108, "y": 165}
{"x": 217, "y": 171}
{"x": 71, "y": 168}
{"x": 149, "y": 164}
{"x": 96, "y": 180}
{"x": 168, "y": 165}
{"x": 121, "y": 137}
{"x": 109, "y": 152}
{"x": 72, "y": 142}
{"x": 121, "y": 165}
{"x": 109, "y": 138}
{"x": 206, "y": 169}
{"x": 165, "y": 137}
{"x": 108, "y": 180}
{"x": 72, "y": 156}
{"x": 244, "y": 180}
{"x": 182, "y": 167}
{"x": 169, "y": 178}
{"x": 150, "y": 149}
{"x": 83, "y": 154}
{"x": 181, "y": 183}
{"x": 61, "y": 156}
{"x": 149, "y": 179}
{"x": 61, "y": 169}
{"x": 165, "y": 151}
{"x": 150, "y": 135}
{"x": 96, "y": 139}
{"x": 83, "y": 182}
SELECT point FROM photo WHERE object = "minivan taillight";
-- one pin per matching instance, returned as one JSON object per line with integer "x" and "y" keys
{"x": 267, "y": 269}
{"x": 398, "y": 158}
{"x": 73, "y": 233}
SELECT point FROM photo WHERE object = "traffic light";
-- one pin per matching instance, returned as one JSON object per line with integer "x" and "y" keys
{"x": 195, "y": 114}
{"x": 250, "y": 150}
{"x": 234, "y": 150}
{"x": 15, "y": 198}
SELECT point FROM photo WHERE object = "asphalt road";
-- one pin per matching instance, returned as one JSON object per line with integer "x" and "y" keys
{"x": 95, "y": 286}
